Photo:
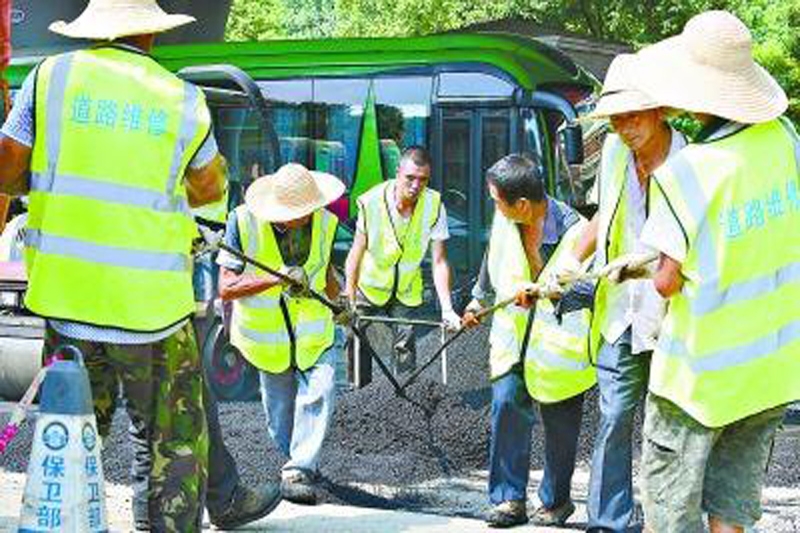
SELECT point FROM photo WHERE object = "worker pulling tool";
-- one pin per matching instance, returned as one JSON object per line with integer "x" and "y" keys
{"x": 624, "y": 268}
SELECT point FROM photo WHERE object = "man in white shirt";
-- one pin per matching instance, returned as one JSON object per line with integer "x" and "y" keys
{"x": 627, "y": 315}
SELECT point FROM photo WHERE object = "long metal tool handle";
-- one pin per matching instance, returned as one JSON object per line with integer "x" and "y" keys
{"x": 320, "y": 298}
{"x": 398, "y": 320}
{"x": 479, "y": 316}
{"x": 280, "y": 275}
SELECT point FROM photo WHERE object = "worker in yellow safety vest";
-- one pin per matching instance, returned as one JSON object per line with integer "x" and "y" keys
{"x": 724, "y": 216}
{"x": 535, "y": 353}
{"x": 113, "y": 151}
{"x": 627, "y": 315}
{"x": 397, "y": 221}
{"x": 287, "y": 335}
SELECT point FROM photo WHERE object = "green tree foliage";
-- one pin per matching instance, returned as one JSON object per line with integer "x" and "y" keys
{"x": 774, "y": 23}
{"x": 256, "y": 20}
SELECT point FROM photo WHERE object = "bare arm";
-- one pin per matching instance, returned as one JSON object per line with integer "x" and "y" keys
{"x": 442, "y": 278}
{"x": 353, "y": 263}
{"x": 668, "y": 279}
{"x": 15, "y": 162}
{"x": 206, "y": 185}
{"x": 233, "y": 286}
{"x": 587, "y": 243}
{"x": 332, "y": 287}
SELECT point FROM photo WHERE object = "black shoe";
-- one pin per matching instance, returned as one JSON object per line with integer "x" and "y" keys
{"x": 508, "y": 514}
{"x": 247, "y": 506}
{"x": 299, "y": 487}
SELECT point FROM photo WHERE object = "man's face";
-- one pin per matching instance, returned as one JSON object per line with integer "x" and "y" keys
{"x": 636, "y": 129}
{"x": 411, "y": 180}
{"x": 296, "y": 223}
{"x": 523, "y": 210}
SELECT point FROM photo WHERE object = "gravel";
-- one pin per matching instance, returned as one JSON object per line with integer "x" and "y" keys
{"x": 379, "y": 438}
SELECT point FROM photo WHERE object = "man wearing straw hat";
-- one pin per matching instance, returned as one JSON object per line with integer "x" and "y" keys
{"x": 724, "y": 215}
{"x": 108, "y": 242}
{"x": 627, "y": 315}
{"x": 397, "y": 220}
{"x": 283, "y": 332}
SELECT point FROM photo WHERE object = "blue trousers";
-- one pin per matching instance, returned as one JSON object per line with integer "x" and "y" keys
{"x": 299, "y": 408}
{"x": 610, "y": 502}
{"x": 513, "y": 417}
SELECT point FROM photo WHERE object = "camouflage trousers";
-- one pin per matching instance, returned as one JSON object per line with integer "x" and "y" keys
{"x": 689, "y": 469}
{"x": 163, "y": 388}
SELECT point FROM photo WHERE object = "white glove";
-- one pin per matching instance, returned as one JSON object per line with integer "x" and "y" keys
{"x": 568, "y": 268}
{"x": 451, "y": 320}
{"x": 551, "y": 287}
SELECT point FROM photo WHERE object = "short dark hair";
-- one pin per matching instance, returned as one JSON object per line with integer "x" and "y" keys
{"x": 417, "y": 155}
{"x": 517, "y": 176}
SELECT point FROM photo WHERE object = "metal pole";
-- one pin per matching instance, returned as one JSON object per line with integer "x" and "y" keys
{"x": 444, "y": 356}
{"x": 397, "y": 320}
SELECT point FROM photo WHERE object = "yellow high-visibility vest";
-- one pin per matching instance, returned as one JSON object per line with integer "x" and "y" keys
{"x": 556, "y": 363}
{"x": 730, "y": 344}
{"x": 612, "y": 213}
{"x": 110, "y": 228}
{"x": 261, "y": 324}
{"x": 391, "y": 266}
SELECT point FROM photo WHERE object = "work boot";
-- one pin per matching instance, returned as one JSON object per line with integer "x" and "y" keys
{"x": 298, "y": 486}
{"x": 247, "y": 505}
{"x": 508, "y": 514}
{"x": 555, "y": 517}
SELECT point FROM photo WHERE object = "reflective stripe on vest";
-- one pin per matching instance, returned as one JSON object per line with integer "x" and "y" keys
{"x": 557, "y": 362}
{"x": 730, "y": 342}
{"x": 99, "y": 217}
{"x": 386, "y": 258}
{"x": 612, "y": 212}
{"x": 259, "y": 329}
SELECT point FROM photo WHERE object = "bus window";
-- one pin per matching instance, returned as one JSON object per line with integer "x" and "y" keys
{"x": 403, "y": 108}
{"x": 290, "y": 105}
{"x": 338, "y": 110}
{"x": 473, "y": 84}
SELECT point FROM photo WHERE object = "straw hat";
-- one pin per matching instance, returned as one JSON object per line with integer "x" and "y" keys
{"x": 291, "y": 193}
{"x": 620, "y": 94}
{"x": 111, "y": 19}
{"x": 709, "y": 68}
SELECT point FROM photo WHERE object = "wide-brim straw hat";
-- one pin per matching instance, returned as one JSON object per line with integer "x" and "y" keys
{"x": 619, "y": 94}
{"x": 709, "y": 68}
{"x": 291, "y": 193}
{"x": 111, "y": 19}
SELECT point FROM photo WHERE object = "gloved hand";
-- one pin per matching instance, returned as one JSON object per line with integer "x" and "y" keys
{"x": 451, "y": 320}
{"x": 628, "y": 266}
{"x": 470, "y": 318}
{"x": 568, "y": 268}
{"x": 298, "y": 286}
{"x": 347, "y": 312}
{"x": 526, "y": 295}
{"x": 550, "y": 286}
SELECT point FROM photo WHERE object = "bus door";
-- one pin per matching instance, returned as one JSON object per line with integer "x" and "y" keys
{"x": 470, "y": 137}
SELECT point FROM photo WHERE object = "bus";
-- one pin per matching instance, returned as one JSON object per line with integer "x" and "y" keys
{"x": 469, "y": 98}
